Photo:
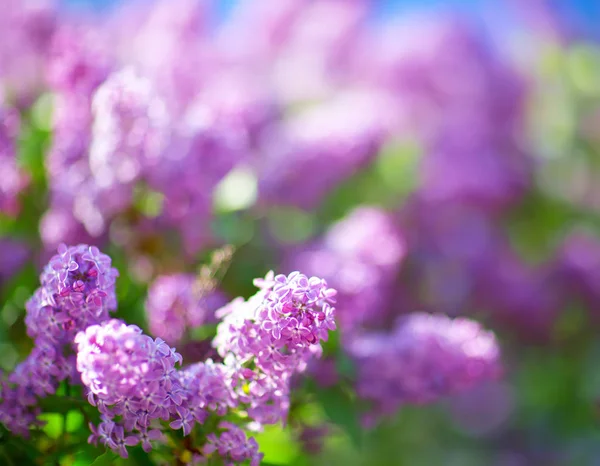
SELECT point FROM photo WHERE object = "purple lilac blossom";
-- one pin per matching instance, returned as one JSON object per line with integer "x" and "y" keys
{"x": 425, "y": 357}
{"x": 255, "y": 33}
{"x": 360, "y": 256}
{"x": 133, "y": 381}
{"x": 78, "y": 289}
{"x": 131, "y": 376}
{"x": 443, "y": 68}
{"x": 265, "y": 340}
{"x": 233, "y": 446}
{"x": 78, "y": 61}
{"x": 469, "y": 166}
{"x": 36, "y": 377}
{"x": 107, "y": 139}
{"x": 175, "y": 305}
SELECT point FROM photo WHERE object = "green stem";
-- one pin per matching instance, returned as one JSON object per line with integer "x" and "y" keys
{"x": 63, "y": 438}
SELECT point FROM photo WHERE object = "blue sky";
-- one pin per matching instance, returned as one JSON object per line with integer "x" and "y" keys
{"x": 582, "y": 13}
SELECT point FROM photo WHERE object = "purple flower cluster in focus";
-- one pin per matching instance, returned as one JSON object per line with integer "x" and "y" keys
{"x": 78, "y": 290}
{"x": 273, "y": 335}
{"x": 131, "y": 377}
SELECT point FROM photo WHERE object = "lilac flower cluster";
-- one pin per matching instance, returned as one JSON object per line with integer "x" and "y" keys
{"x": 232, "y": 446}
{"x": 174, "y": 306}
{"x": 78, "y": 290}
{"x": 131, "y": 379}
{"x": 273, "y": 335}
{"x": 424, "y": 358}
{"x": 36, "y": 377}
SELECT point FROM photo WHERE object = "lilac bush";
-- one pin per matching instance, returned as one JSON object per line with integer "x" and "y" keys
{"x": 382, "y": 165}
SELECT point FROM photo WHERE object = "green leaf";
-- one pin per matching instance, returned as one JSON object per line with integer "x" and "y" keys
{"x": 278, "y": 445}
{"x": 140, "y": 457}
{"x": 86, "y": 454}
{"x": 54, "y": 425}
{"x": 341, "y": 410}
{"x": 106, "y": 459}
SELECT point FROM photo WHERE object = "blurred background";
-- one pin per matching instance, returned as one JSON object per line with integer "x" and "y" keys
{"x": 438, "y": 156}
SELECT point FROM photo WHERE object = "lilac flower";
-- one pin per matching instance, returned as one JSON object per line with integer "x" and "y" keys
{"x": 38, "y": 376}
{"x": 76, "y": 292}
{"x": 147, "y": 436}
{"x": 233, "y": 446}
{"x": 167, "y": 42}
{"x": 265, "y": 340}
{"x": 472, "y": 164}
{"x": 119, "y": 441}
{"x": 185, "y": 421}
{"x": 133, "y": 377}
{"x": 77, "y": 65}
{"x": 521, "y": 297}
{"x": 101, "y": 433}
{"x": 424, "y": 358}
{"x": 206, "y": 389}
{"x": 463, "y": 101}
{"x": 116, "y": 360}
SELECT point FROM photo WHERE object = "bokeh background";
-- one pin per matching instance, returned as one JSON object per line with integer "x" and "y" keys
{"x": 422, "y": 156}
